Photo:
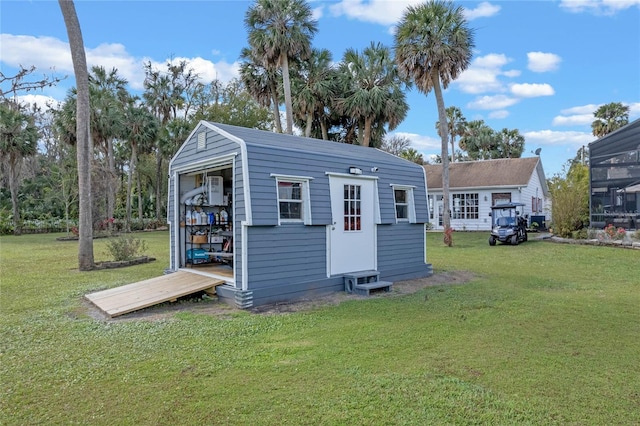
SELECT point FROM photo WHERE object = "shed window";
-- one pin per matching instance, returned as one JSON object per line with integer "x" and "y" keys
{"x": 403, "y": 200}
{"x": 294, "y": 203}
{"x": 402, "y": 204}
{"x": 290, "y": 200}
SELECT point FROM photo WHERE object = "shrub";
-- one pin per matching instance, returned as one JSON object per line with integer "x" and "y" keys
{"x": 614, "y": 233}
{"x": 126, "y": 248}
{"x": 581, "y": 234}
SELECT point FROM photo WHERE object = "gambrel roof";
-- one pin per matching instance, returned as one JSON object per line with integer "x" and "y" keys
{"x": 503, "y": 172}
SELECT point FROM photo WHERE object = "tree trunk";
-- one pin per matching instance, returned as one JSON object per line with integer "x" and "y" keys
{"x": 366, "y": 138}
{"x": 14, "y": 171}
{"x": 84, "y": 148}
{"x": 288, "y": 104}
{"x": 444, "y": 132}
{"x": 276, "y": 107}
{"x": 325, "y": 131}
{"x": 307, "y": 130}
{"x": 112, "y": 188}
{"x": 139, "y": 187}
{"x": 132, "y": 166}
{"x": 159, "y": 185}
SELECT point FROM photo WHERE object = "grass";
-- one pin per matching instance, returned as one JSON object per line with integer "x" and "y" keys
{"x": 545, "y": 334}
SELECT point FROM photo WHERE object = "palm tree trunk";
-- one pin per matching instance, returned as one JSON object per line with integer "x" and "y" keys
{"x": 366, "y": 138}
{"x": 288, "y": 104}
{"x": 307, "y": 130}
{"x": 159, "y": 185}
{"x": 325, "y": 131}
{"x": 111, "y": 184}
{"x": 14, "y": 171}
{"x": 84, "y": 148}
{"x": 132, "y": 162}
{"x": 276, "y": 107}
{"x": 139, "y": 189}
{"x": 442, "y": 117}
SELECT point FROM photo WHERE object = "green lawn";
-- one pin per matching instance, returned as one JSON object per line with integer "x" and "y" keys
{"x": 545, "y": 334}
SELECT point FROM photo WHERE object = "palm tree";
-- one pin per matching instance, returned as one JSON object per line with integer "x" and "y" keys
{"x": 479, "y": 140}
{"x": 261, "y": 81}
{"x": 280, "y": 30}
{"x": 433, "y": 45}
{"x": 372, "y": 90}
{"x": 314, "y": 85}
{"x": 18, "y": 139}
{"x": 84, "y": 146}
{"x": 413, "y": 155}
{"x": 510, "y": 143}
{"x": 142, "y": 128}
{"x": 108, "y": 95}
{"x": 609, "y": 117}
{"x": 456, "y": 124}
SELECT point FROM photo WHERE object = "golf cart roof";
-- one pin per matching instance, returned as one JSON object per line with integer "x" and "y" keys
{"x": 506, "y": 206}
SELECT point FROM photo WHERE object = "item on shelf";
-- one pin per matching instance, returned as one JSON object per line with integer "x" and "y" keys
{"x": 196, "y": 256}
{"x": 224, "y": 216}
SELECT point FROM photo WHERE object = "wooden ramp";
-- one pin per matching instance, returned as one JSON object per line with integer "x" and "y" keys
{"x": 132, "y": 297}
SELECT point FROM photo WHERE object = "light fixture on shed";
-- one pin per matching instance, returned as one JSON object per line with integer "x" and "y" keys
{"x": 355, "y": 171}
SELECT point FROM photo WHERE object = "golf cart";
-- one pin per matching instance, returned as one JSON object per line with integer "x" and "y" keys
{"x": 507, "y": 226}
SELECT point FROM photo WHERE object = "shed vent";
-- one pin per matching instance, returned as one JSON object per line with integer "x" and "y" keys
{"x": 202, "y": 142}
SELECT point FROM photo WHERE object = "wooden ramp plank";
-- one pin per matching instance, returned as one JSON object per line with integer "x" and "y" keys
{"x": 132, "y": 297}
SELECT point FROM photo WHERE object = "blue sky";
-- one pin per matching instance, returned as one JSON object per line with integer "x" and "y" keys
{"x": 542, "y": 67}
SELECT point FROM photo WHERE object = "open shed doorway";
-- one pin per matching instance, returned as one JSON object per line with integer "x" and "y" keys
{"x": 206, "y": 234}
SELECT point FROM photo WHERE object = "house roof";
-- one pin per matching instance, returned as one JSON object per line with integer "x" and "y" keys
{"x": 502, "y": 172}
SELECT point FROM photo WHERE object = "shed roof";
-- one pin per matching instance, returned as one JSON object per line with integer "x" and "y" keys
{"x": 486, "y": 173}
{"x": 279, "y": 141}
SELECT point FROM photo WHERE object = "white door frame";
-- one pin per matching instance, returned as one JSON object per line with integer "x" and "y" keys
{"x": 352, "y": 250}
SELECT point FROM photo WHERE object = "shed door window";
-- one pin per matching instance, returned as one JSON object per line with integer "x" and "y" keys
{"x": 352, "y": 203}
{"x": 290, "y": 200}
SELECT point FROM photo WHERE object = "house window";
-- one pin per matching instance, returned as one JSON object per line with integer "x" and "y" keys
{"x": 352, "y": 205}
{"x": 465, "y": 206}
{"x": 290, "y": 200}
{"x": 294, "y": 203}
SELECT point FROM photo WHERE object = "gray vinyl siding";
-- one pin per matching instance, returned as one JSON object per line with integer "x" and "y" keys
{"x": 400, "y": 246}
{"x": 286, "y": 254}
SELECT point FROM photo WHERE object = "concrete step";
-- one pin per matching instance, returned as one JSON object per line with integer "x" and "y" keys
{"x": 358, "y": 278}
{"x": 365, "y": 289}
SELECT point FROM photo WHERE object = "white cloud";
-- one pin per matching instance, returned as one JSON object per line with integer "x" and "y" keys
{"x": 529, "y": 90}
{"x": 382, "y": 12}
{"x": 482, "y": 75}
{"x": 573, "y": 120}
{"x": 492, "y": 102}
{"x": 419, "y": 142}
{"x": 543, "y": 62}
{"x": 484, "y": 10}
{"x": 554, "y": 138}
{"x": 50, "y": 53}
{"x": 598, "y": 7}
{"x": 499, "y": 114}
{"x": 41, "y": 101}
{"x": 583, "y": 115}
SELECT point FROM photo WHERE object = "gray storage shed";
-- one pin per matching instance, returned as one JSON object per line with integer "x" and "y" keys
{"x": 281, "y": 217}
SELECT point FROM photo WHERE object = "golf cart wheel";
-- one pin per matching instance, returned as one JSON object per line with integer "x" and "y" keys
{"x": 514, "y": 240}
{"x": 492, "y": 241}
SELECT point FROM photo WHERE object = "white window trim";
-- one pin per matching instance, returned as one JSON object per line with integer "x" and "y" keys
{"x": 306, "y": 197}
{"x": 411, "y": 206}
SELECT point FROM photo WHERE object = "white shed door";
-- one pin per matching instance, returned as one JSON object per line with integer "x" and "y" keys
{"x": 352, "y": 236}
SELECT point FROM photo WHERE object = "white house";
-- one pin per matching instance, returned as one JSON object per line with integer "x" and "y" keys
{"x": 474, "y": 186}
